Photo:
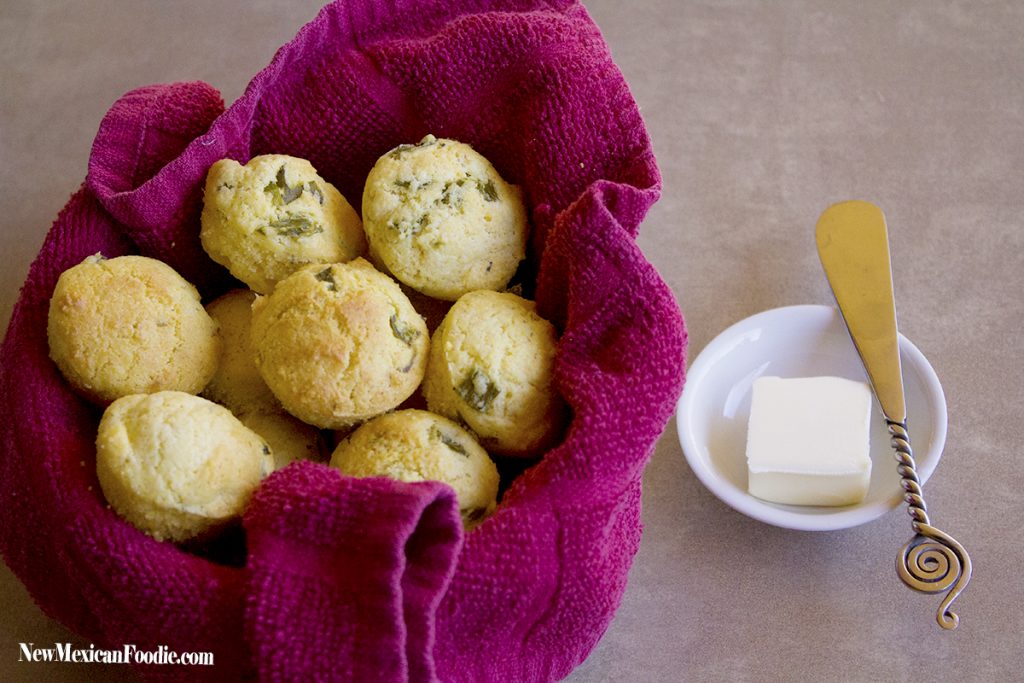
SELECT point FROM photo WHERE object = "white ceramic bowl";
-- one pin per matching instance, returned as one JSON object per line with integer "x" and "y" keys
{"x": 798, "y": 341}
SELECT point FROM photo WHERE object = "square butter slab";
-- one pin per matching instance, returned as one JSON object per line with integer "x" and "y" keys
{"x": 808, "y": 440}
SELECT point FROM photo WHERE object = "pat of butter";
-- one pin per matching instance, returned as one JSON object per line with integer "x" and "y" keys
{"x": 808, "y": 440}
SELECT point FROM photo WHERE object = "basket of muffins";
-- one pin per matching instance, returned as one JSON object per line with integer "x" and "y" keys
{"x": 322, "y": 347}
{"x": 357, "y": 378}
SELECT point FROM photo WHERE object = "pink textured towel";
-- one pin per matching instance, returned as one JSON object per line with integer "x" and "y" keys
{"x": 371, "y": 579}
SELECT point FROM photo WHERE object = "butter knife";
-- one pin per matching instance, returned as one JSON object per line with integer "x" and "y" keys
{"x": 853, "y": 245}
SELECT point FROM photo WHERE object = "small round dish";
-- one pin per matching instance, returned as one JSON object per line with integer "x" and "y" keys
{"x": 798, "y": 341}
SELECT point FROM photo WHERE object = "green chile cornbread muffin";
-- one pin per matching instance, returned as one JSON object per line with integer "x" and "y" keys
{"x": 440, "y": 219}
{"x": 490, "y": 366}
{"x": 237, "y": 383}
{"x": 339, "y": 344}
{"x": 176, "y": 465}
{"x": 265, "y": 220}
{"x": 415, "y": 445}
{"x": 290, "y": 439}
{"x": 130, "y": 325}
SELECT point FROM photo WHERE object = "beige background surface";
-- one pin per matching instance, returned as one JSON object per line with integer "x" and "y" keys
{"x": 762, "y": 114}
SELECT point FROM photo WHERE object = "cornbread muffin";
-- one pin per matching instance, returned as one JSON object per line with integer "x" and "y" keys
{"x": 290, "y": 438}
{"x": 440, "y": 219}
{"x": 237, "y": 383}
{"x": 490, "y": 366}
{"x": 265, "y": 220}
{"x": 415, "y": 445}
{"x": 339, "y": 344}
{"x": 130, "y": 325}
{"x": 176, "y": 465}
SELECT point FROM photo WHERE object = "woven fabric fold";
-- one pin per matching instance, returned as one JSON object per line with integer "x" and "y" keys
{"x": 345, "y": 585}
{"x": 143, "y": 156}
{"x": 370, "y": 579}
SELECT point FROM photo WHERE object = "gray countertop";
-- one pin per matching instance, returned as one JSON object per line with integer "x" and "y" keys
{"x": 762, "y": 114}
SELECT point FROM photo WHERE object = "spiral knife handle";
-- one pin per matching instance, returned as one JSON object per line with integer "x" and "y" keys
{"x": 932, "y": 561}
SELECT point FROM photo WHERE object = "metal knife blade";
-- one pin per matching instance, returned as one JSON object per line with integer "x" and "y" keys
{"x": 853, "y": 245}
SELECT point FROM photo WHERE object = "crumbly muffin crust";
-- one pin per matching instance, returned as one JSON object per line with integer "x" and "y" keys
{"x": 416, "y": 445}
{"x": 130, "y": 325}
{"x": 338, "y": 344}
{"x": 176, "y": 465}
{"x": 491, "y": 364}
{"x": 268, "y": 218}
{"x": 440, "y": 218}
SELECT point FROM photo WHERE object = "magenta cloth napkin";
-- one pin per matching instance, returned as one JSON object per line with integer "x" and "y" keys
{"x": 370, "y": 579}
